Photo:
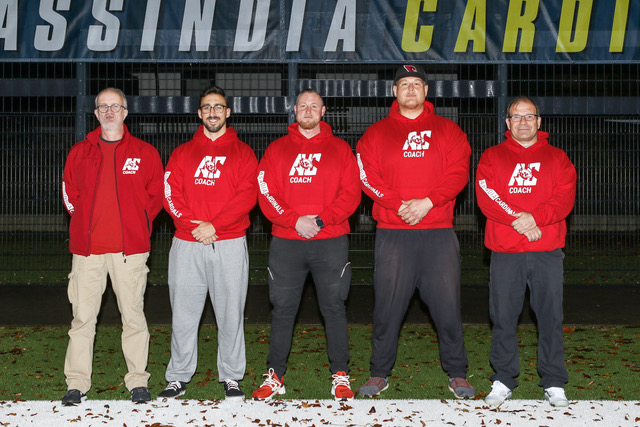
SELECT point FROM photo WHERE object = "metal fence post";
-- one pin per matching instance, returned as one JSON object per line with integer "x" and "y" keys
{"x": 81, "y": 117}
{"x": 503, "y": 75}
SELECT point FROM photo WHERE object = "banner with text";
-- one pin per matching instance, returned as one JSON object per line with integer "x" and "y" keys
{"x": 328, "y": 30}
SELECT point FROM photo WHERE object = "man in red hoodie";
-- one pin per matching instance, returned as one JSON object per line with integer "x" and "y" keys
{"x": 308, "y": 189}
{"x": 209, "y": 188}
{"x": 413, "y": 164}
{"x": 526, "y": 188}
{"x": 112, "y": 188}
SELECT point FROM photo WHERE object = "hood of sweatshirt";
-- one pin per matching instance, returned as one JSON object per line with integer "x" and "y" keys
{"x": 325, "y": 132}
{"x": 428, "y": 111}
{"x": 512, "y": 144}
{"x": 227, "y": 137}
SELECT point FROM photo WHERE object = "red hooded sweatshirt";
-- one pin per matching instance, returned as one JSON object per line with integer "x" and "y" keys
{"x": 138, "y": 186}
{"x": 403, "y": 159}
{"x": 309, "y": 176}
{"x": 539, "y": 179}
{"x": 211, "y": 181}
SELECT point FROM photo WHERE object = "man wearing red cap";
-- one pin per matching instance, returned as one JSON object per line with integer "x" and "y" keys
{"x": 413, "y": 164}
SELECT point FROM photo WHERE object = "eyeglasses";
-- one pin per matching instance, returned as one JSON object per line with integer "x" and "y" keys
{"x": 103, "y": 108}
{"x": 218, "y": 108}
{"x": 527, "y": 117}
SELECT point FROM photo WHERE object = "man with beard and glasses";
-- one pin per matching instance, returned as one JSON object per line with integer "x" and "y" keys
{"x": 308, "y": 189}
{"x": 209, "y": 189}
{"x": 112, "y": 188}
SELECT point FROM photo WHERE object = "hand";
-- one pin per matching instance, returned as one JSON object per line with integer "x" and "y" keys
{"x": 306, "y": 226}
{"x": 412, "y": 211}
{"x": 205, "y": 231}
{"x": 534, "y": 235}
{"x": 524, "y": 222}
{"x": 210, "y": 240}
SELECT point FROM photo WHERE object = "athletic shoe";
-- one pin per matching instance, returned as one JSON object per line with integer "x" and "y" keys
{"x": 461, "y": 388}
{"x": 499, "y": 393}
{"x": 373, "y": 387}
{"x": 556, "y": 397}
{"x": 340, "y": 387}
{"x": 270, "y": 387}
{"x": 73, "y": 397}
{"x": 140, "y": 395}
{"x": 232, "y": 390}
{"x": 173, "y": 390}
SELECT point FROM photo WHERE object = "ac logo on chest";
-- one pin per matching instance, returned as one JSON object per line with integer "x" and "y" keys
{"x": 209, "y": 170}
{"x": 416, "y": 143}
{"x": 523, "y": 178}
{"x": 304, "y": 168}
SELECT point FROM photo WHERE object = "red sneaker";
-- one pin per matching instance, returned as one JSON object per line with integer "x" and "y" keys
{"x": 270, "y": 387}
{"x": 341, "y": 388}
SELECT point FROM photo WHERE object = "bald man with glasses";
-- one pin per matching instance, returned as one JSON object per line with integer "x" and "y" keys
{"x": 526, "y": 188}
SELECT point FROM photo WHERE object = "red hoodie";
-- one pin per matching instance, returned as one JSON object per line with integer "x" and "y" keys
{"x": 539, "y": 179}
{"x": 402, "y": 159}
{"x": 307, "y": 176}
{"x": 211, "y": 181}
{"x": 138, "y": 187}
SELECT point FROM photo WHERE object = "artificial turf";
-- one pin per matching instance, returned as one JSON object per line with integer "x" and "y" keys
{"x": 602, "y": 363}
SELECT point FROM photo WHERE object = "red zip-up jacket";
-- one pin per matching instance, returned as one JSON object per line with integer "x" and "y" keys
{"x": 402, "y": 159}
{"x": 211, "y": 181}
{"x": 138, "y": 187}
{"x": 539, "y": 179}
{"x": 309, "y": 176}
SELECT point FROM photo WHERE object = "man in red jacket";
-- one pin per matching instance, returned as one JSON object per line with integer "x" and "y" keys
{"x": 308, "y": 189}
{"x": 413, "y": 164}
{"x": 526, "y": 188}
{"x": 209, "y": 188}
{"x": 112, "y": 188}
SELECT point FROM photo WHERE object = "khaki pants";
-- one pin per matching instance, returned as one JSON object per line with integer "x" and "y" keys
{"x": 87, "y": 283}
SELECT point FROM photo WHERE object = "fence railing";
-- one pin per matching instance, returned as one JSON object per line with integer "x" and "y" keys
{"x": 591, "y": 112}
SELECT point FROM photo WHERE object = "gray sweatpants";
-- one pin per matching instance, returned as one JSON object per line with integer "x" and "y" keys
{"x": 222, "y": 271}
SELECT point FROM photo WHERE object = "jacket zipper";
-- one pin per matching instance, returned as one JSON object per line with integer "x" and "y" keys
{"x": 115, "y": 173}
{"x": 93, "y": 201}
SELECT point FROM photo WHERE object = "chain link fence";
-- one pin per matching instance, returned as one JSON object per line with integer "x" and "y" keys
{"x": 591, "y": 111}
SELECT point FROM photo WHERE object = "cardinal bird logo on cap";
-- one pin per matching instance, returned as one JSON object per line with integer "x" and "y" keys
{"x": 410, "y": 68}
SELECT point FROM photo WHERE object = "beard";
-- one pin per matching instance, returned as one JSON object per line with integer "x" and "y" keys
{"x": 308, "y": 124}
{"x": 214, "y": 127}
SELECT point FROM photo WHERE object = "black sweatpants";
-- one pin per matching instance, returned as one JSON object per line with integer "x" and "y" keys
{"x": 511, "y": 273}
{"x": 289, "y": 263}
{"x": 428, "y": 260}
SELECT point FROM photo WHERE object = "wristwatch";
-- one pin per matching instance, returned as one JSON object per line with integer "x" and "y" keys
{"x": 319, "y": 222}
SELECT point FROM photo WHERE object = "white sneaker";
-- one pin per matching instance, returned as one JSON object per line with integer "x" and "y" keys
{"x": 499, "y": 393}
{"x": 556, "y": 397}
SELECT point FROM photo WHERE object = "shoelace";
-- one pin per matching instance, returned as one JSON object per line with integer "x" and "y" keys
{"x": 231, "y": 384}
{"x": 271, "y": 380}
{"x": 339, "y": 380}
{"x": 174, "y": 385}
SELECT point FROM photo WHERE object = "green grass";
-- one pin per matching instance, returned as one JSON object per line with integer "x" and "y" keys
{"x": 602, "y": 363}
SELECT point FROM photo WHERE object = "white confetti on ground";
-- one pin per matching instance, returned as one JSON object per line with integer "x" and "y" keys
{"x": 361, "y": 412}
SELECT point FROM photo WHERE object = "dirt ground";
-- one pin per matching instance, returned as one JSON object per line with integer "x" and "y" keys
{"x": 583, "y": 305}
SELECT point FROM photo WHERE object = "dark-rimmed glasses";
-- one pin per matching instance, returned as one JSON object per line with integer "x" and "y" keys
{"x": 218, "y": 108}
{"x": 103, "y": 108}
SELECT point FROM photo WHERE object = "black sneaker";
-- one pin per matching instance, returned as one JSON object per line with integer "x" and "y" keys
{"x": 140, "y": 395}
{"x": 173, "y": 390}
{"x": 73, "y": 397}
{"x": 232, "y": 390}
